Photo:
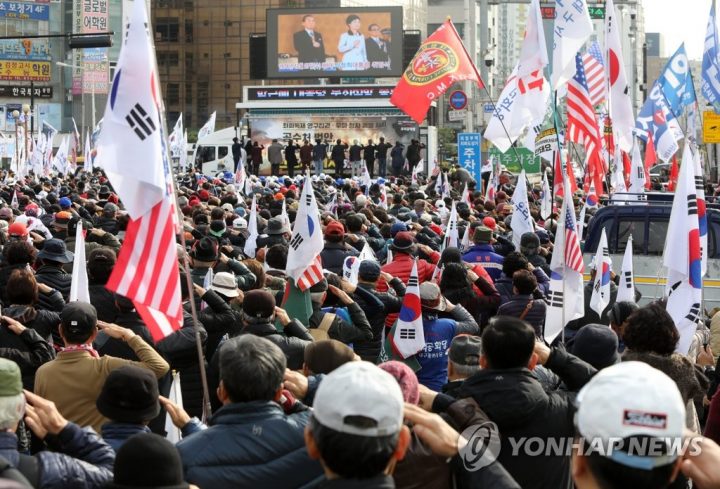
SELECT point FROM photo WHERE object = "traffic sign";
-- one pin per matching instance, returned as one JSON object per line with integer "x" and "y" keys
{"x": 457, "y": 115}
{"x": 458, "y": 100}
{"x": 711, "y": 127}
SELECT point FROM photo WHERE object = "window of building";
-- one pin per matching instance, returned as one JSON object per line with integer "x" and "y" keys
{"x": 188, "y": 93}
{"x": 172, "y": 94}
{"x": 203, "y": 89}
{"x": 168, "y": 58}
{"x": 189, "y": 63}
{"x": 188, "y": 31}
{"x": 167, "y": 29}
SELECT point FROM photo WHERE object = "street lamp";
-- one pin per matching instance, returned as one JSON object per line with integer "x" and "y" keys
{"x": 16, "y": 116}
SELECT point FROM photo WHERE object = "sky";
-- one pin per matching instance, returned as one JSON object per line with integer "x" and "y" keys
{"x": 678, "y": 21}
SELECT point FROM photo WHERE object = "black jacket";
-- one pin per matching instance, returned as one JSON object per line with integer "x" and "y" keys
{"x": 518, "y": 404}
{"x": 339, "y": 330}
{"x": 292, "y": 341}
{"x": 104, "y": 302}
{"x": 219, "y": 319}
{"x": 397, "y": 156}
{"x": 333, "y": 256}
{"x": 388, "y": 304}
{"x": 369, "y": 153}
{"x": 355, "y": 152}
{"x": 28, "y": 349}
{"x": 55, "y": 278}
{"x": 45, "y": 322}
{"x": 106, "y": 345}
{"x": 338, "y": 154}
{"x": 180, "y": 351}
{"x": 107, "y": 224}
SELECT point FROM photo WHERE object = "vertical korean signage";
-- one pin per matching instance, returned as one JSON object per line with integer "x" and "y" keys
{"x": 469, "y": 153}
{"x": 91, "y": 65}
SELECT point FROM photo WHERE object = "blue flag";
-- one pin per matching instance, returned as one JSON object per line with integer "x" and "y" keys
{"x": 655, "y": 117}
{"x": 675, "y": 82}
{"x": 711, "y": 64}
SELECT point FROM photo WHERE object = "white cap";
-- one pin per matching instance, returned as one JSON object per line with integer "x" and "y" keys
{"x": 631, "y": 399}
{"x": 239, "y": 223}
{"x": 359, "y": 389}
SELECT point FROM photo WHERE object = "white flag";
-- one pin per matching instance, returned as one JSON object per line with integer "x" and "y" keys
{"x": 522, "y": 103}
{"x": 521, "y": 222}
{"x": 383, "y": 198}
{"x": 465, "y": 242}
{"x": 183, "y": 151}
{"x": 546, "y": 201}
{"x": 571, "y": 29}
{"x": 284, "y": 215}
{"x": 130, "y": 144}
{"x": 251, "y": 241}
{"x": 682, "y": 256}
{"x": 174, "y": 434}
{"x": 87, "y": 147}
{"x": 533, "y": 53}
{"x": 61, "y": 157}
{"x": 307, "y": 240}
{"x": 176, "y": 137}
{"x": 637, "y": 172}
{"x": 620, "y": 107}
{"x": 365, "y": 177}
{"x": 451, "y": 233}
{"x": 79, "y": 286}
{"x": 207, "y": 283}
{"x": 409, "y": 336}
{"x": 208, "y": 128}
{"x": 626, "y": 289}
{"x": 600, "y": 297}
{"x": 14, "y": 202}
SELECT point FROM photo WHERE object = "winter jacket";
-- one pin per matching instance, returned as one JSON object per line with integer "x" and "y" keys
{"x": 535, "y": 316}
{"x": 389, "y": 304}
{"x": 104, "y": 302}
{"x": 504, "y": 286}
{"x": 355, "y": 152}
{"x": 397, "y": 156}
{"x": 80, "y": 460}
{"x": 484, "y": 254}
{"x": 115, "y": 434}
{"x": 481, "y": 306}
{"x": 253, "y": 444}
{"x": 106, "y": 345}
{"x": 439, "y": 332}
{"x": 306, "y": 152}
{"x": 517, "y": 403}
{"x": 333, "y": 256}
{"x": 180, "y": 351}
{"x": 107, "y": 224}
{"x": 55, "y": 278}
{"x": 338, "y": 155}
{"x": 401, "y": 267}
{"x": 46, "y": 323}
{"x": 28, "y": 349}
{"x": 292, "y": 341}
{"x": 219, "y": 319}
{"x": 96, "y": 240}
{"x": 358, "y": 330}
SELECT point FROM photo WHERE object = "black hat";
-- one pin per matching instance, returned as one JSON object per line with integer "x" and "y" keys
{"x": 258, "y": 304}
{"x": 205, "y": 250}
{"x": 596, "y": 344}
{"x": 217, "y": 228}
{"x": 148, "y": 460}
{"x": 129, "y": 395}
{"x": 78, "y": 318}
{"x": 530, "y": 240}
{"x": 369, "y": 270}
{"x": 465, "y": 350}
{"x": 275, "y": 226}
{"x": 104, "y": 191}
{"x": 55, "y": 250}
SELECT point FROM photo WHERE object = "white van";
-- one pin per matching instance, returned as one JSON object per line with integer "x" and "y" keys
{"x": 210, "y": 153}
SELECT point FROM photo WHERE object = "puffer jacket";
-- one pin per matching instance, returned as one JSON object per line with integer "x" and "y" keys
{"x": 219, "y": 319}
{"x": 292, "y": 341}
{"x": 80, "y": 460}
{"x": 253, "y": 444}
{"x": 55, "y": 278}
{"x": 333, "y": 256}
{"x": 180, "y": 351}
{"x": 115, "y": 434}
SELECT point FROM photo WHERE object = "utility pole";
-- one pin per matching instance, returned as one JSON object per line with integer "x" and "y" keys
{"x": 471, "y": 43}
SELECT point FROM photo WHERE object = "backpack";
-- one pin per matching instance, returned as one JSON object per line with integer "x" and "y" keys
{"x": 27, "y": 472}
{"x": 321, "y": 332}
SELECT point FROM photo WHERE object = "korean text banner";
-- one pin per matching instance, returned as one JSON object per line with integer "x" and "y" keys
{"x": 25, "y": 11}
{"x": 25, "y": 70}
{"x": 469, "y": 155}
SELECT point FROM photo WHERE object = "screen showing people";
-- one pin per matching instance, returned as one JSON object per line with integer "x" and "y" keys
{"x": 334, "y": 42}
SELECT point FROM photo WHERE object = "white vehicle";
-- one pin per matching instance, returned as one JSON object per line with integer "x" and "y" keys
{"x": 213, "y": 154}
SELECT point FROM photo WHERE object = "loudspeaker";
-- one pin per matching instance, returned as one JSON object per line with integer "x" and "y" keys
{"x": 258, "y": 56}
{"x": 411, "y": 43}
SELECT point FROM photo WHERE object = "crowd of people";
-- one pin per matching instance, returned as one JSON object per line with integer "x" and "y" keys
{"x": 346, "y": 159}
{"x": 323, "y": 401}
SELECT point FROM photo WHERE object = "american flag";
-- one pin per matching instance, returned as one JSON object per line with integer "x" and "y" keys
{"x": 582, "y": 126}
{"x": 312, "y": 275}
{"x": 573, "y": 253}
{"x": 595, "y": 73}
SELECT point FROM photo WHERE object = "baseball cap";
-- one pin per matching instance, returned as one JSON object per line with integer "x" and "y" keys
{"x": 78, "y": 317}
{"x": 631, "y": 399}
{"x": 489, "y": 222}
{"x": 65, "y": 202}
{"x": 431, "y": 298}
{"x": 335, "y": 228}
{"x": 369, "y": 270}
{"x": 10, "y": 379}
{"x": 359, "y": 398}
{"x": 240, "y": 223}
{"x": 465, "y": 349}
{"x": 17, "y": 229}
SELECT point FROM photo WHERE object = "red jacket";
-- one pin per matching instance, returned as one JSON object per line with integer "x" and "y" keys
{"x": 400, "y": 267}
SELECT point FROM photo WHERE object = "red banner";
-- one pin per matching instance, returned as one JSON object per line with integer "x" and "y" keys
{"x": 441, "y": 61}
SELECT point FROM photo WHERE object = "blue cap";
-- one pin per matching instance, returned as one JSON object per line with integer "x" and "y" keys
{"x": 65, "y": 203}
{"x": 369, "y": 270}
{"x": 397, "y": 228}
{"x": 262, "y": 179}
{"x": 381, "y": 181}
{"x": 340, "y": 182}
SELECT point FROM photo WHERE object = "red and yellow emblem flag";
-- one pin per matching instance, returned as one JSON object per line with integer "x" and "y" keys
{"x": 441, "y": 61}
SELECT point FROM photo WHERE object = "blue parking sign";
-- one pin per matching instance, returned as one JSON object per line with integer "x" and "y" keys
{"x": 469, "y": 155}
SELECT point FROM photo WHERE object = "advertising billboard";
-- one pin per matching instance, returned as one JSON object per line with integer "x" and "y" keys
{"x": 325, "y": 42}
